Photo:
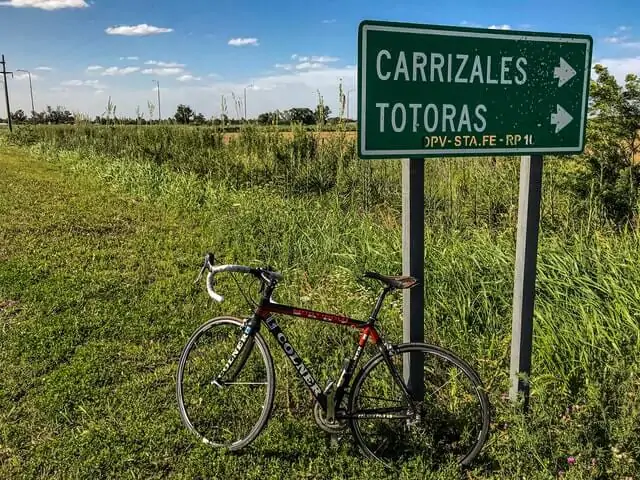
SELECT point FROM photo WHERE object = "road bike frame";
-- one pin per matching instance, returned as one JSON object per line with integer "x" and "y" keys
{"x": 367, "y": 331}
{"x": 328, "y": 401}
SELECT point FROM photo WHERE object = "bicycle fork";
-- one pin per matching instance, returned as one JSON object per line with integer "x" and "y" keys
{"x": 240, "y": 354}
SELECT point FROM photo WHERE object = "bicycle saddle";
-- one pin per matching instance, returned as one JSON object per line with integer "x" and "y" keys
{"x": 398, "y": 281}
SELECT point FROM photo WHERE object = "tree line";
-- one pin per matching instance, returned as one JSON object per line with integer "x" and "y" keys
{"x": 184, "y": 115}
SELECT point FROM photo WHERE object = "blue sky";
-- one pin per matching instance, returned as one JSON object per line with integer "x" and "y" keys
{"x": 283, "y": 50}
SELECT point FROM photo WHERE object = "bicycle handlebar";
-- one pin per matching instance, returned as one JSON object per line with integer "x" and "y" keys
{"x": 216, "y": 296}
{"x": 261, "y": 273}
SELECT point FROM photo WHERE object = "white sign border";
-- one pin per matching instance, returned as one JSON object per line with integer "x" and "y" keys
{"x": 455, "y": 33}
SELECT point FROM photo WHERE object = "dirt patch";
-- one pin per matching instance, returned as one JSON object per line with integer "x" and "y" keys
{"x": 7, "y": 305}
{"x": 8, "y": 310}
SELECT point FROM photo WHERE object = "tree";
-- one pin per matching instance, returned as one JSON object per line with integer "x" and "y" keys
{"x": 616, "y": 110}
{"x": 18, "y": 116}
{"x": 302, "y": 115}
{"x": 224, "y": 120}
{"x": 267, "y": 118}
{"x": 610, "y": 176}
{"x": 184, "y": 114}
{"x": 58, "y": 116}
{"x": 199, "y": 119}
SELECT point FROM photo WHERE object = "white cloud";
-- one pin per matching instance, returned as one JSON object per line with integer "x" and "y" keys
{"x": 44, "y": 69}
{"x": 188, "y": 78}
{"x": 45, "y": 4}
{"x": 622, "y": 41}
{"x": 112, "y": 71}
{"x": 241, "y": 42}
{"x": 93, "y": 68}
{"x": 130, "y": 58}
{"x": 83, "y": 83}
{"x": 333, "y": 20}
{"x": 301, "y": 59}
{"x": 617, "y": 39}
{"x": 286, "y": 90}
{"x": 284, "y": 66}
{"x": 323, "y": 59}
{"x": 310, "y": 65}
{"x": 500, "y": 27}
{"x": 282, "y": 90}
{"x": 620, "y": 67}
{"x": 621, "y": 38}
{"x": 164, "y": 64}
{"x": 136, "y": 30}
{"x": 25, "y": 76}
{"x": 164, "y": 72}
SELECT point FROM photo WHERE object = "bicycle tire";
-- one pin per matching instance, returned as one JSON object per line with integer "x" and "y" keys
{"x": 429, "y": 350}
{"x": 262, "y": 348}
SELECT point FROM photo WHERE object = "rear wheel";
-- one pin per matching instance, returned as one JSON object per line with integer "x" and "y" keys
{"x": 231, "y": 412}
{"x": 452, "y": 419}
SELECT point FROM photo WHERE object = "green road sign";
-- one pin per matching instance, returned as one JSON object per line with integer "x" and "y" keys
{"x": 429, "y": 90}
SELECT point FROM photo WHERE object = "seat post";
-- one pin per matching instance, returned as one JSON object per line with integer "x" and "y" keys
{"x": 374, "y": 314}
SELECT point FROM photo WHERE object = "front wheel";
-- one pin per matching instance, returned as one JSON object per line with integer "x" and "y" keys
{"x": 229, "y": 411}
{"x": 451, "y": 421}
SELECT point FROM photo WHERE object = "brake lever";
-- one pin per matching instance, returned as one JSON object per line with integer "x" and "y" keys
{"x": 200, "y": 274}
{"x": 204, "y": 266}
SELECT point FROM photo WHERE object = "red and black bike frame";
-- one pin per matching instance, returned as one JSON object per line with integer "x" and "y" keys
{"x": 265, "y": 312}
{"x": 367, "y": 331}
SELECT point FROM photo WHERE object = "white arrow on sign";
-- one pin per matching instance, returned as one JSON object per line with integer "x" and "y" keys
{"x": 560, "y": 119}
{"x": 564, "y": 72}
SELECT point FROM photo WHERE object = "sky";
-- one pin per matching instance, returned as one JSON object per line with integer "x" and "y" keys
{"x": 279, "y": 53}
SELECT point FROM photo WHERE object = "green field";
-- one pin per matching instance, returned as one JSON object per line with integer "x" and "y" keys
{"x": 103, "y": 233}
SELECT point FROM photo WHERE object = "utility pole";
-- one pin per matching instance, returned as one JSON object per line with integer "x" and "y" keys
{"x": 348, "y": 93}
{"x": 6, "y": 91}
{"x": 245, "y": 101}
{"x": 159, "y": 114}
{"x": 33, "y": 108}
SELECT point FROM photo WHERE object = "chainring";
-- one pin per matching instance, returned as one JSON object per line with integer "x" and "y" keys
{"x": 319, "y": 416}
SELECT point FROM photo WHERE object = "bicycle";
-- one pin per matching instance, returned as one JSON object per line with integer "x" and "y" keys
{"x": 339, "y": 404}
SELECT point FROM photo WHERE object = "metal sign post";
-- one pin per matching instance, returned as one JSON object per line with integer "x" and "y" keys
{"x": 441, "y": 91}
{"x": 413, "y": 264}
{"x": 525, "y": 275}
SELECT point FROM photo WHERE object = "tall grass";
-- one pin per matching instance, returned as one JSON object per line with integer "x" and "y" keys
{"x": 459, "y": 193}
{"x": 307, "y": 205}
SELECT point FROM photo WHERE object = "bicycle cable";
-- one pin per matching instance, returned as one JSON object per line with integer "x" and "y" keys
{"x": 250, "y": 303}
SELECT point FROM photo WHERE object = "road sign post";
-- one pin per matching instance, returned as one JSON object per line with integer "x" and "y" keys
{"x": 441, "y": 91}
{"x": 413, "y": 264}
{"x": 525, "y": 275}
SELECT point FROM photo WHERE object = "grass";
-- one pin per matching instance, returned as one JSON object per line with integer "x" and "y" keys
{"x": 100, "y": 248}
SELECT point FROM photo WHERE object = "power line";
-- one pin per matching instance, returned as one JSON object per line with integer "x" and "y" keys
{"x": 6, "y": 91}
